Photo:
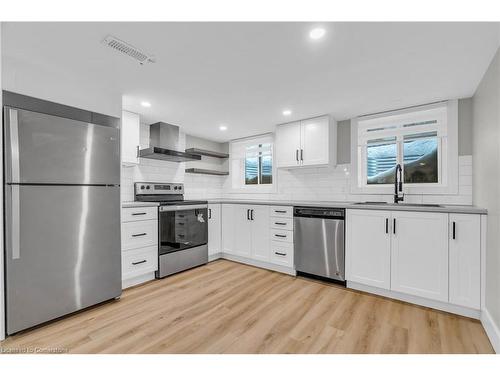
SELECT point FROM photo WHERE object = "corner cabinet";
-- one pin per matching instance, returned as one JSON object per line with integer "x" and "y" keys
{"x": 306, "y": 143}
{"x": 130, "y": 138}
{"x": 430, "y": 255}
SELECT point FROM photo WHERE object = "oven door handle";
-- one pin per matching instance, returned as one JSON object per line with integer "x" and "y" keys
{"x": 182, "y": 208}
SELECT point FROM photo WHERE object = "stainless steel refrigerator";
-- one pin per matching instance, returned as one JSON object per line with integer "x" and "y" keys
{"x": 62, "y": 210}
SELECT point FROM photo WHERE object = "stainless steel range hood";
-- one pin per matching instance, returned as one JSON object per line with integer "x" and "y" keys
{"x": 164, "y": 144}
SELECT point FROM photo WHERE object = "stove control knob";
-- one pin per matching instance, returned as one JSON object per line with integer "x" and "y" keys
{"x": 142, "y": 187}
{"x": 147, "y": 187}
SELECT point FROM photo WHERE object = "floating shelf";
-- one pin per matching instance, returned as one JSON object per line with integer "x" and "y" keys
{"x": 206, "y": 171}
{"x": 200, "y": 151}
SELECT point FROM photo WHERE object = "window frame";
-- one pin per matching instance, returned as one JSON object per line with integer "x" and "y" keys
{"x": 237, "y": 159}
{"x": 390, "y": 124}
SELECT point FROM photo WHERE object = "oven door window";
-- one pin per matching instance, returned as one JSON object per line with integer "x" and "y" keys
{"x": 182, "y": 229}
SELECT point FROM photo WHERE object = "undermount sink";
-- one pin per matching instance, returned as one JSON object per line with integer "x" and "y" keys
{"x": 399, "y": 204}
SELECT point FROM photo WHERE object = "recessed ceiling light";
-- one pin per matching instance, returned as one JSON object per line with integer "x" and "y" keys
{"x": 287, "y": 112}
{"x": 317, "y": 33}
{"x": 146, "y": 104}
{"x": 223, "y": 127}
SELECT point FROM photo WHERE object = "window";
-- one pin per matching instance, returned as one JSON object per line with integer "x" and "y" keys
{"x": 423, "y": 141}
{"x": 252, "y": 166}
{"x": 259, "y": 164}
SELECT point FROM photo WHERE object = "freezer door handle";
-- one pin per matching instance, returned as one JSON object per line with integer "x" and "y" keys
{"x": 15, "y": 234}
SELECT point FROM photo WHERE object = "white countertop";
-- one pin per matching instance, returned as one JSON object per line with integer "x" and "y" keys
{"x": 357, "y": 205}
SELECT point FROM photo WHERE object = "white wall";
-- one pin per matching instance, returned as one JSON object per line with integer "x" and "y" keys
{"x": 486, "y": 176}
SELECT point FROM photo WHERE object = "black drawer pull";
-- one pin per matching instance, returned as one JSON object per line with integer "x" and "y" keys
{"x": 280, "y": 235}
{"x": 282, "y": 254}
{"x": 141, "y": 261}
{"x": 139, "y": 234}
{"x": 180, "y": 223}
{"x": 138, "y": 213}
{"x": 280, "y": 211}
{"x": 278, "y": 223}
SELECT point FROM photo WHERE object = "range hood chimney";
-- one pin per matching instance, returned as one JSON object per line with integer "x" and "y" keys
{"x": 164, "y": 144}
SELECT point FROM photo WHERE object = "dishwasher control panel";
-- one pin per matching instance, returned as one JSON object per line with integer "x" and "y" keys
{"x": 334, "y": 213}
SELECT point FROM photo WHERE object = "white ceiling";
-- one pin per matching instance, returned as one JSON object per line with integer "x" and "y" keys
{"x": 244, "y": 74}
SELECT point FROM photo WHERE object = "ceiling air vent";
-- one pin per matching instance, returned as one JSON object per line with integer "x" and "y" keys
{"x": 128, "y": 50}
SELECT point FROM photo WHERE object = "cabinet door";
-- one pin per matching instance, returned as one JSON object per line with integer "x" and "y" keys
{"x": 315, "y": 141}
{"x": 228, "y": 226}
{"x": 420, "y": 254}
{"x": 287, "y": 145}
{"x": 130, "y": 135}
{"x": 242, "y": 231}
{"x": 465, "y": 265}
{"x": 214, "y": 229}
{"x": 260, "y": 232}
{"x": 368, "y": 247}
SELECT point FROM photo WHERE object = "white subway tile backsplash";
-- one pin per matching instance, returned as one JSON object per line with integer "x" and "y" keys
{"x": 316, "y": 184}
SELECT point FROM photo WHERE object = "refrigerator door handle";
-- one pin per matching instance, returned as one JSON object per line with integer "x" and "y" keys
{"x": 15, "y": 230}
{"x": 14, "y": 145}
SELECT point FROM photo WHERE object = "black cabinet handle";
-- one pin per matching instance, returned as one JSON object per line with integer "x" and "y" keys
{"x": 209, "y": 213}
{"x": 297, "y": 155}
{"x": 454, "y": 234}
{"x": 280, "y": 235}
{"x": 138, "y": 213}
{"x": 278, "y": 223}
{"x": 282, "y": 254}
{"x": 139, "y": 234}
{"x": 248, "y": 214}
{"x": 301, "y": 154}
{"x": 386, "y": 225}
{"x": 251, "y": 215}
{"x": 394, "y": 226}
{"x": 280, "y": 211}
{"x": 141, "y": 261}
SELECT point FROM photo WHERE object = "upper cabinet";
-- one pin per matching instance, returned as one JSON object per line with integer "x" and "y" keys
{"x": 130, "y": 137}
{"x": 304, "y": 143}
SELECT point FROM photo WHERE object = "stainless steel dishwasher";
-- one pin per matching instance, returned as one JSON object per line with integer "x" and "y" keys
{"x": 319, "y": 242}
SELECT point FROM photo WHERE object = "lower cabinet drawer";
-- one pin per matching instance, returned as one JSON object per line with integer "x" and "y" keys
{"x": 281, "y": 211}
{"x": 281, "y": 223}
{"x": 281, "y": 253}
{"x": 136, "y": 234}
{"x": 281, "y": 235}
{"x": 139, "y": 213}
{"x": 139, "y": 261}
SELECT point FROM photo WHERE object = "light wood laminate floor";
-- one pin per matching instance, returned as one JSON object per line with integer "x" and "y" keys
{"x": 226, "y": 307}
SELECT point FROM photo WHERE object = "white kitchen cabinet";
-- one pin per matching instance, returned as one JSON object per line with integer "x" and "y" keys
{"x": 368, "y": 247}
{"x": 214, "y": 230}
{"x": 287, "y": 145}
{"x": 130, "y": 138}
{"x": 464, "y": 258}
{"x": 228, "y": 228}
{"x": 419, "y": 254}
{"x": 260, "y": 232}
{"x": 315, "y": 137}
{"x": 245, "y": 231}
{"x": 310, "y": 142}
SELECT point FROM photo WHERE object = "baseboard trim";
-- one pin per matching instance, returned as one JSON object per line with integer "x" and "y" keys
{"x": 260, "y": 264}
{"x": 212, "y": 257}
{"x": 138, "y": 280}
{"x": 492, "y": 330}
{"x": 438, "y": 305}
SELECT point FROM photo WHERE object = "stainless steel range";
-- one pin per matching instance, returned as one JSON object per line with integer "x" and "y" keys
{"x": 182, "y": 227}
